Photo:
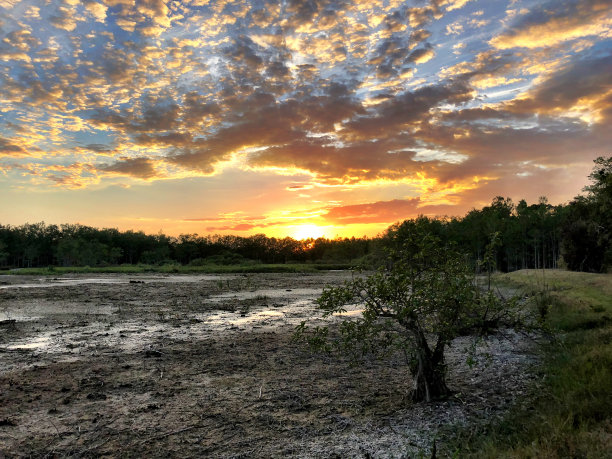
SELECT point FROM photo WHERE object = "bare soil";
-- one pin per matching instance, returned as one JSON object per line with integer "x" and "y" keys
{"x": 192, "y": 366}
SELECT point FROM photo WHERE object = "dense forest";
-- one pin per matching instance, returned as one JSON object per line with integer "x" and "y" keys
{"x": 539, "y": 235}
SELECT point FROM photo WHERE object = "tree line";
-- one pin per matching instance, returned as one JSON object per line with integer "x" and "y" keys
{"x": 42, "y": 245}
{"x": 576, "y": 235}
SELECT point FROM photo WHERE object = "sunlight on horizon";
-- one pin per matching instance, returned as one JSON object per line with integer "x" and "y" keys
{"x": 308, "y": 232}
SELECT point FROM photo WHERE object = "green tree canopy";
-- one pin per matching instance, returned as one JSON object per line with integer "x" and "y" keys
{"x": 421, "y": 300}
{"x": 587, "y": 232}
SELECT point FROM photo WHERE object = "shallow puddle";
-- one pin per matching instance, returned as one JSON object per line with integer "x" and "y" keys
{"x": 36, "y": 343}
{"x": 46, "y": 282}
{"x": 266, "y": 293}
{"x": 27, "y": 312}
{"x": 103, "y": 326}
{"x": 137, "y": 335}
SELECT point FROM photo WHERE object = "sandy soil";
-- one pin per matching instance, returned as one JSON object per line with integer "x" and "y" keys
{"x": 192, "y": 366}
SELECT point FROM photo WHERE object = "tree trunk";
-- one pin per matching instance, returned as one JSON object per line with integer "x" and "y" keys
{"x": 430, "y": 374}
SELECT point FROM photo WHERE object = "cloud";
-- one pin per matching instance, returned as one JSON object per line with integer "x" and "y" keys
{"x": 368, "y": 213}
{"x": 68, "y": 176}
{"x": 97, "y": 10}
{"x": 455, "y": 4}
{"x": 243, "y": 224}
{"x": 299, "y": 186}
{"x": 377, "y": 212}
{"x": 418, "y": 17}
{"x": 64, "y": 19}
{"x": 529, "y": 183}
{"x": 556, "y": 22}
{"x": 238, "y": 227}
{"x": 156, "y": 10}
{"x": 142, "y": 168}
{"x": 411, "y": 106}
{"x": 8, "y": 148}
{"x": 265, "y": 123}
{"x": 422, "y": 55}
{"x": 242, "y": 53}
{"x": 583, "y": 81}
{"x": 99, "y": 148}
{"x": 160, "y": 115}
{"x": 497, "y": 151}
{"x": 579, "y": 89}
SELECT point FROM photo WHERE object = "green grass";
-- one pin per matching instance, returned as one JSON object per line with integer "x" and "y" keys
{"x": 182, "y": 269}
{"x": 571, "y": 409}
{"x": 581, "y": 300}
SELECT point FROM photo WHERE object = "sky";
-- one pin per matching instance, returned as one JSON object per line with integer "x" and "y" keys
{"x": 299, "y": 118}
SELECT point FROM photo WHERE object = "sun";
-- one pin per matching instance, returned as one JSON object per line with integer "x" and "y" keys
{"x": 307, "y": 232}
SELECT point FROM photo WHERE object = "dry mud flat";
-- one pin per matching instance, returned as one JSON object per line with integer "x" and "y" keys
{"x": 192, "y": 366}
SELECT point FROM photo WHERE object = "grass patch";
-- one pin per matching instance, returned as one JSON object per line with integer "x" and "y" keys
{"x": 579, "y": 301}
{"x": 571, "y": 413}
{"x": 182, "y": 269}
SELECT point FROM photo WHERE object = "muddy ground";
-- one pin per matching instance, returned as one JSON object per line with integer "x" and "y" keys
{"x": 192, "y": 366}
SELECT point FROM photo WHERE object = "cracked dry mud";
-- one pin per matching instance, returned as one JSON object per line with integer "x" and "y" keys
{"x": 192, "y": 366}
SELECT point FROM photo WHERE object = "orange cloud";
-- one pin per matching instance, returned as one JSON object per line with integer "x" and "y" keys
{"x": 377, "y": 212}
{"x": 557, "y": 22}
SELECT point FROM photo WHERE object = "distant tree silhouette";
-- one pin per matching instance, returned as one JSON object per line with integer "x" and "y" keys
{"x": 530, "y": 236}
{"x": 587, "y": 232}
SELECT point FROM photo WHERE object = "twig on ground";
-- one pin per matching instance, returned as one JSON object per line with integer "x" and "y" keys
{"x": 168, "y": 434}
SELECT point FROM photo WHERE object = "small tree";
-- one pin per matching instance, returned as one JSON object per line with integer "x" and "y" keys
{"x": 421, "y": 300}
{"x": 489, "y": 260}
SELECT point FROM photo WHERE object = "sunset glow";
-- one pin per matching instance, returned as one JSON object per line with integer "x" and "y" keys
{"x": 308, "y": 232}
{"x": 294, "y": 118}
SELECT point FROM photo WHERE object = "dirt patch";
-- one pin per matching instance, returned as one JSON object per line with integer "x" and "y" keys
{"x": 158, "y": 366}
